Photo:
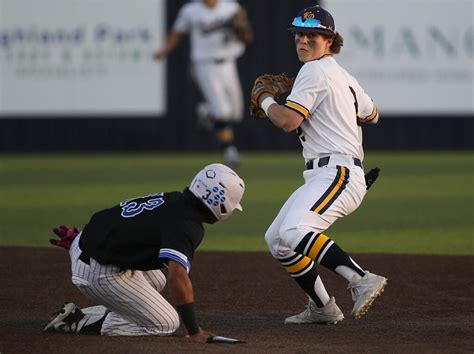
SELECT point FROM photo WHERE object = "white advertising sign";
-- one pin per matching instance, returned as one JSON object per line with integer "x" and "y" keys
{"x": 63, "y": 57}
{"x": 412, "y": 57}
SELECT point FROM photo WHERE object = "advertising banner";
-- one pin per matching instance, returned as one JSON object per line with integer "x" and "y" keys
{"x": 79, "y": 57}
{"x": 412, "y": 57}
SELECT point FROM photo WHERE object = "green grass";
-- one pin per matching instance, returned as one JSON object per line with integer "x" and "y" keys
{"x": 423, "y": 202}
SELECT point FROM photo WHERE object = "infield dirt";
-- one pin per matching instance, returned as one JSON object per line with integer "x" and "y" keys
{"x": 427, "y": 307}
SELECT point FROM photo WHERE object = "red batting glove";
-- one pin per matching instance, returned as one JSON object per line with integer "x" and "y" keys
{"x": 66, "y": 236}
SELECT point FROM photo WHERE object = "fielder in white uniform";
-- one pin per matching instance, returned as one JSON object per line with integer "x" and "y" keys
{"x": 326, "y": 107}
{"x": 215, "y": 47}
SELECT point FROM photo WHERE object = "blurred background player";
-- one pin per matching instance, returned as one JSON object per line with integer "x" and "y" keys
{"x": 126, "y": 255}
{"x": 326, "y": 107}
{"x": 219, "y": 31}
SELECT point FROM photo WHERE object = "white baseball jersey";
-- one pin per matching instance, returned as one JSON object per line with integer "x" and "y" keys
{"x": 210, "y": 31}
{"x": 330, "y": 100}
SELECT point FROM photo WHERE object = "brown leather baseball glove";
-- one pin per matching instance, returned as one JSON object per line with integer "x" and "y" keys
{"x": 276, "y": 85}
{"x": 241, "y": 25}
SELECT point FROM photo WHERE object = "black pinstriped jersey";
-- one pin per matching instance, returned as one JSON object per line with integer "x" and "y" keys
{"x": 143, "y": 233}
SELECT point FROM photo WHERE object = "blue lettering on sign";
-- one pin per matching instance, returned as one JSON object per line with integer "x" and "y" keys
{"x": 105, "y": 33}
{"x": 10, "y": 37}
{"x": 74, "y": 35}
{"x": 133, "y": 207}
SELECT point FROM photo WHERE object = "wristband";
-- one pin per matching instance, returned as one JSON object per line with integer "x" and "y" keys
{"x": 266, "y": 103}
{"x": 187, "y": 314}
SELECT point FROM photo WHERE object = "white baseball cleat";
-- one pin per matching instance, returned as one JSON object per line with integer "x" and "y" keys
{"x": 364, "y": 291}
{"x": 329, "y": 314}
{"x": 204, "y": 120}
{"x": 66, "y": 319}
{"x": 232, "y": 156}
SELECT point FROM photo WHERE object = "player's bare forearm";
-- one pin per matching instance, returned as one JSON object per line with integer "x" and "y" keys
{"x": 283, "y": 117}
{"x": 174, "y": 38}
{"x": 180, "y": 286}
{"x": 181, "y": 290}
{"x": 248, "y": 36}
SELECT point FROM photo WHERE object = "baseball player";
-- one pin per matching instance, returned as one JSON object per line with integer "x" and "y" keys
{"x": 326, "y": 107}
{"x": 218, "y": 31}
{"x": 126, "y": 255}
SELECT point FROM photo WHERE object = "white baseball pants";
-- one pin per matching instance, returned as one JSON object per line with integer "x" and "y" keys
{"x": 329, "y": 193}
{"x": 221, "y": 88}
{"x": 134, "y": 299}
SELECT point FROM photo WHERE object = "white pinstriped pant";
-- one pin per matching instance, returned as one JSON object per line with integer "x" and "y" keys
{"x": 136, "y": 305}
